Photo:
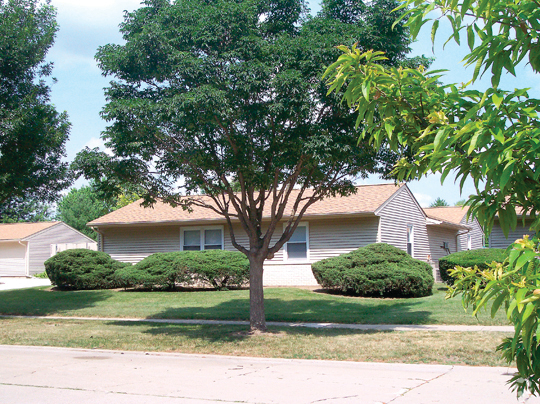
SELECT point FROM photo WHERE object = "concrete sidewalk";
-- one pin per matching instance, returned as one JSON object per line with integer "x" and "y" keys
{"x": 45, "y": 375}
{"x": 8, "y": 283}
{"x": 377, "y": 327}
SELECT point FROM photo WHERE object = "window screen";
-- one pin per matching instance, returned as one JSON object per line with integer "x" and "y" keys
{"x": 297, "y": 244}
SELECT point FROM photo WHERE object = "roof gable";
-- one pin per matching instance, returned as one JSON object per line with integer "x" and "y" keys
{"x": 367, "y": 199}
{"x": 19, "y": 231}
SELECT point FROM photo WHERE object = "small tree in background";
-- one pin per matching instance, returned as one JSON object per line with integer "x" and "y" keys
{"x": 438, "y": 202}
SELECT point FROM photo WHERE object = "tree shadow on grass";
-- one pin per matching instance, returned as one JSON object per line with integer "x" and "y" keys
{"x": 42, "y": 301}
{"x": 220, "y": 333}
{"x": 400, "y": 311}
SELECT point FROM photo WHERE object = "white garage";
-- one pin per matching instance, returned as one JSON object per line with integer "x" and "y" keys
{"x": 24, "y": 247}
{"x": 13, "y": 258}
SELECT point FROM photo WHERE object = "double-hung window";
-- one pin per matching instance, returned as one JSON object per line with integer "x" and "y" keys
{"x": 297, "y": 248}
{"x": 201, "y": 238}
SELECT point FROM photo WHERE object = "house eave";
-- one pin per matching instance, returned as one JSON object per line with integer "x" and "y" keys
{"x": 318, "y": 216}
{"x": 441, "y": 223}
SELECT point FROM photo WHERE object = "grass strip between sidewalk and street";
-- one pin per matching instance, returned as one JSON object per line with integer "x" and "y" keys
{"x": 281, "y": 304}
{"x": 433, "y": 347}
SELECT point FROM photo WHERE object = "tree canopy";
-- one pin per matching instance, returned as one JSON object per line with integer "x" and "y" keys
{"x": 220, "y": 95}
{"x": 87, "y": 203}
{"x": 25, "y": 210}
{"x": 32, "y": 132}
{"x": 491, "y": 136}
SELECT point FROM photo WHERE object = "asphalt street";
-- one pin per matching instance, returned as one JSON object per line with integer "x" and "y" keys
{"x": 45, "y": 375}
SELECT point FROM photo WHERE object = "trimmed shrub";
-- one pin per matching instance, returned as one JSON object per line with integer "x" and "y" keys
{"x": 217, "y": 268}
{"x": 82, "y": 269}
{"x": 160, "y": 270}
{"x": 480, "y": 258}
{"x": 375, "y": 270}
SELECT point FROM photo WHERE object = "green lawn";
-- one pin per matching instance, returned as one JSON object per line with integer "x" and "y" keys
{"x": 282, "y": 304}
{"x": 447, "y": 348}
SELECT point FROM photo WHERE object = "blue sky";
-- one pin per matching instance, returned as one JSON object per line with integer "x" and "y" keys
{"x": 85, "y": 25}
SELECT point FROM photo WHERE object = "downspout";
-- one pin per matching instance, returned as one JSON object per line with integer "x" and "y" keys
{"x": 457, "y": 237}
{"x": 26, "y": 257}
{"x": 100, "y": 238}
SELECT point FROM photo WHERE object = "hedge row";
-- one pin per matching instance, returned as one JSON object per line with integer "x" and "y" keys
{"x": 375, "y": 270}
{"x": 86, "y": 269}
{"x": 470, "y": 258}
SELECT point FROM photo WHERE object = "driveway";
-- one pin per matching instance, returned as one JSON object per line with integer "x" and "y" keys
{"x": 60, "y": 375}
{"x": 7, "y": 283}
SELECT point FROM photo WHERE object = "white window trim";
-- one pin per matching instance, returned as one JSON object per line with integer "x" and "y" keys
{"x": 469, "y": 241}
{"x": 410, "y": 226}
{"x": 285, "y": 246}
{"x": 201, "y": 229}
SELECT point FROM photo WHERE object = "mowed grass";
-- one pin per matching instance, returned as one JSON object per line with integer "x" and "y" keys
{"x": 282, "y": 304}
{"x": 449, "y": 348}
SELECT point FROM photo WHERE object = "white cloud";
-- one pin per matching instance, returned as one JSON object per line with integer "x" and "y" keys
{"x": 423, "y": 199}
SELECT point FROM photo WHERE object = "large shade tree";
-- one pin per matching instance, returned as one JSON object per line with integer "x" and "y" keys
{"x": 219, "y": 96}
{"x": 32, "y": 132}
{"x": 491, "y": 136}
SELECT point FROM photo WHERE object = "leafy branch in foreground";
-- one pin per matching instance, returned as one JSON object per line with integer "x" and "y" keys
{"x": 514, "y": 285}
{"x": 492, "y": 137}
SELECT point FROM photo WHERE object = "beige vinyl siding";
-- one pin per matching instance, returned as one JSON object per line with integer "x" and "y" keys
{"x": 477, "y": 235}
{"x": 438, "y": 236}
{"x": 242, "y": 239}
{"x": 13, "y": 259}
{"x": 40, "y": 244}
{"x": 132, "y": 244}
{"x": 330, "y": 238}
{"x": 497, "y": 239}
{"x": 398, "y": 212}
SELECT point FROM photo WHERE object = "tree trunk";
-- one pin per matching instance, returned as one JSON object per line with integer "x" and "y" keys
{"x": 257, "y": 320}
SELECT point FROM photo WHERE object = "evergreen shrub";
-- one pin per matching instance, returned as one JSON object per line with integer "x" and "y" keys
{"x": 216, "y": 268}
{"x": 481, "y": 258}
{"x": 375, "y": 270}
{"x": 82, "y": 269}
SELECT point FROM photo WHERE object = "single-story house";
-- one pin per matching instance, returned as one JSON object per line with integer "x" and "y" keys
{"x": 24, "y": 247}
{"x": 376, "y": 213}
{"x": 497, "y": 238}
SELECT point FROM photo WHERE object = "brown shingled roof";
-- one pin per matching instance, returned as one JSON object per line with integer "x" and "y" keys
{"x": 19, "y": 231}
{"x": 366, "y": 200}
{"x": 452, "y": 214}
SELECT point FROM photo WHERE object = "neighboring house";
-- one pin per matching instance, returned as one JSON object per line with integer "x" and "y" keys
{"x": 444, "y": 240}
{"x": 497, "y": 238}
{"x": 376, "y": 213}
{"x": 24, "y": 247}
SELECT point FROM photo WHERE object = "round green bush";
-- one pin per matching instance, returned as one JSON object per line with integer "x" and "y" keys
{"x": 470, "y": 258}
{"x": 375, "y": 270}
{"x": 160, "y": 270}
{"x": 216, "y": 268}
{"x": 82, "y": 269}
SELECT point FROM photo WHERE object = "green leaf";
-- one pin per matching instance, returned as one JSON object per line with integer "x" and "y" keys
{"x": 507, "y": 172}
{"x": 529, "y": 309}
{"x": 470, "y": 37}
{"x": 434, "y": 31}
{"x": 497, "y": 100}
{"x": 497, "y": 303}
{"x": 524, "y": 258}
